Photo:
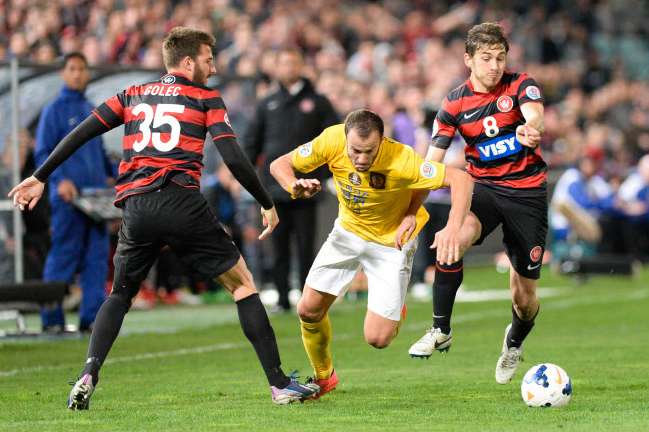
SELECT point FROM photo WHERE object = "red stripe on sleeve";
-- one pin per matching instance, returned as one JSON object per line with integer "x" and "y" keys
{"x": 116, "y": 106}
{"x": 96, "y": 114}
{"x": 218, "y": 137}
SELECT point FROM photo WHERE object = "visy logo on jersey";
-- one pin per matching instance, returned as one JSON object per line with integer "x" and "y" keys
{"x": 499, "y": 147}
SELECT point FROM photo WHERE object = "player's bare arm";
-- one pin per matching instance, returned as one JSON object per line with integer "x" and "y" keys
{"x": 283, "y": 171}
{"x": 529, "y": 134}
{"x": 408, "y": 224}
{"x": 448, "y": 241}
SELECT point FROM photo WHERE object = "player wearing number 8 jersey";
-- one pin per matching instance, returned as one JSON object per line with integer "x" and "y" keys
{"x": 166, "y": 123}
{"x": 500, "y": 116}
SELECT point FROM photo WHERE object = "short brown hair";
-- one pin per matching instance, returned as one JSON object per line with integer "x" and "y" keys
{"x": 182, "y": 42}
{"x": 364, "y": 122}
{"x": 485, "y": 34}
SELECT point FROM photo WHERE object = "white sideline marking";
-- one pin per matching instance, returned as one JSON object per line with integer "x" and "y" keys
{"x": 499, "y": 294}
{"x": 468, "y": 317}
{"x": 136, "y": 357}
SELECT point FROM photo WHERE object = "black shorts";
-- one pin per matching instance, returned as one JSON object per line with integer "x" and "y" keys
{"x": 523, "y": 214}
{"x": 172, "y": 216}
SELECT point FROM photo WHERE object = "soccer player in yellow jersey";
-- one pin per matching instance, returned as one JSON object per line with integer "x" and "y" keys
{"x": 375, "y": 178}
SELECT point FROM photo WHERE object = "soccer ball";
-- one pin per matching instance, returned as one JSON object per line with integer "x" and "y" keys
{"x": 546, "y": 385}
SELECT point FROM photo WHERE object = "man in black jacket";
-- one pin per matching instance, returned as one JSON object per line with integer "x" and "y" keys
{"x": 292, "y": 115}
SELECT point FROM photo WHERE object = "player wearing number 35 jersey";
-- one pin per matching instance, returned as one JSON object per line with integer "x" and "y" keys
{"x": 165, "y": 125}
{"x": 500, "y": 116}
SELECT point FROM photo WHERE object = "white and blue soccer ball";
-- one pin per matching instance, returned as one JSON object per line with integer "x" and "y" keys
{"x": 546, "y": 385}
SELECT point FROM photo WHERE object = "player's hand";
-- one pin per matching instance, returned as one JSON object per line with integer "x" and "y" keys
{"x": 447, "y": 242}
{"x": 305, "y": 188}
{"x": 27, "y": 193}
{"x": 528, "y": 136}
{"x": 405, "y": 230}
{"x": 67, "y": 190}
{"x": 270, "y": 220}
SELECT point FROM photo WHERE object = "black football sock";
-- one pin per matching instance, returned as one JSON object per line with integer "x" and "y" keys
{"x": 104, "y": 332}
{"x": 256, "y": 326}
{"x": 447, "y": 281}
{"x": 520, "y": 329}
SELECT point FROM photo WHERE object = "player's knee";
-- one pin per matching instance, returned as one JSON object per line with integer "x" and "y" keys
{"x": 308, "y": 314}
{"x": 378, "y": 340}
{"x": 526, "y": 303}
{"x": 122, "y": 296}
{"x": 473, "y": 228}
{"x": 527, "y": 309}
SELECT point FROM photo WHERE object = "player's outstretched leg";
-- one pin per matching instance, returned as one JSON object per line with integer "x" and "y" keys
{"x": 525, "y": 308}
{"x": 447, "y": 281}
{"x": 448, "y": 278}
{"x": 316, "y": 337}
{"x": 110, "y": 317}
{"x": 105, "y": 330}
{"x": 256, "y": 326}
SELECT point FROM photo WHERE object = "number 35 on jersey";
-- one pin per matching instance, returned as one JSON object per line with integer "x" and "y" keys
{"x": 155, "y": 117}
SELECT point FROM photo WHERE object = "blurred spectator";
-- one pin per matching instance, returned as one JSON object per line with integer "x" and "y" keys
{"x": 35, "y": 221}
{"x": 633, "y": 200}
{"x": 222, "y": 192}
{"x": 18, "y": 46}
{"x": 292, "y": 115}
{"x": 79, "y": 245}
{"x": 44, "y": 53}
{"x": 580, "y": 198}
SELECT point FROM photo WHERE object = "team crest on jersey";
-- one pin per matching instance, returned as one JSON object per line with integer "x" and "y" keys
{"x": 306, "y": 149}
{"x": 168, "y": 79}
{"x": 505, "y": 103}
{"x": 428, "y": 170}
{"x": 307, "y": 105}
{"x": 536, "y": 253}
{"x": 377, "y": 180}
{"x": 354, "y": 179}
{"x": 533, "y": 92}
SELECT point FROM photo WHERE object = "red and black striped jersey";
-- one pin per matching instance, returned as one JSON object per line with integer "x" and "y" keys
{"x": 488, "y": 122}
{"x": 165, "y": 125}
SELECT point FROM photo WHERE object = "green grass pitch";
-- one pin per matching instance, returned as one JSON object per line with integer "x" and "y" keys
{"x": 196, "y": 372}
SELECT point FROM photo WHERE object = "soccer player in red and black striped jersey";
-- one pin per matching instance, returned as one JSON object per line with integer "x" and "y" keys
{"x": 500, "y": 116}
{"x": 165, "y": 126}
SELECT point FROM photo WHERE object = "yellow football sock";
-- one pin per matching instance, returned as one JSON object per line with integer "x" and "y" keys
{"x": 317, "y": 338}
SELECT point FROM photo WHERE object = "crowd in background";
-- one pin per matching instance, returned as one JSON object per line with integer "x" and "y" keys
{"x": 398, "y": 58}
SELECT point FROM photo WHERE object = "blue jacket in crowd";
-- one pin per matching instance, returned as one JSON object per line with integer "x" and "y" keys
{"x": 79, "y": 245}
{"x": 89, "y": 166}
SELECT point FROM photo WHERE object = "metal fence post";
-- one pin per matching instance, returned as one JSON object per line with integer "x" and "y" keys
{"x": 17, "y": 217}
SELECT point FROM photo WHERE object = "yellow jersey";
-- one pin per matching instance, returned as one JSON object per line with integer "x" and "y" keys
{"x": 372, "y": 203}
